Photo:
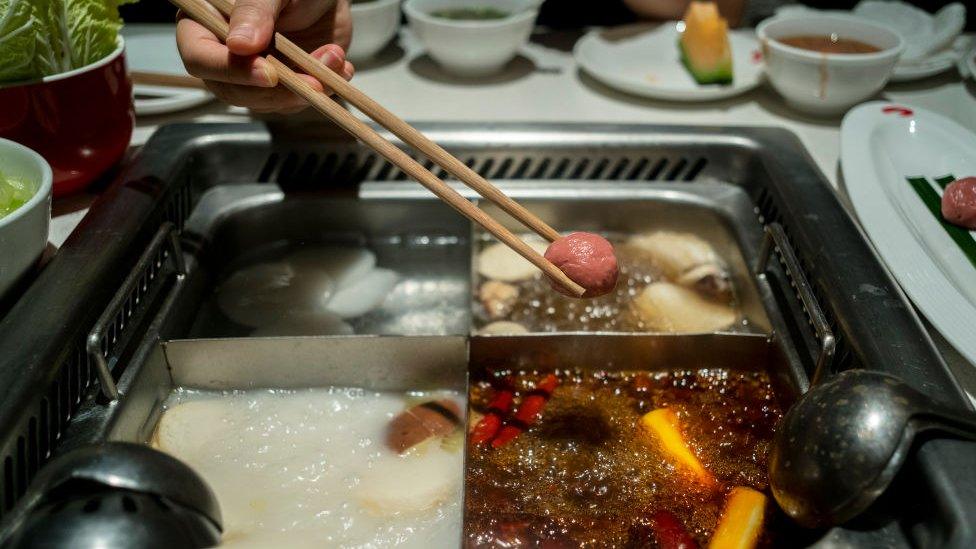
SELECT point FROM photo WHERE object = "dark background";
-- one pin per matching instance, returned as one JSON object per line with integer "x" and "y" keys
{"x": 555, "y": 13}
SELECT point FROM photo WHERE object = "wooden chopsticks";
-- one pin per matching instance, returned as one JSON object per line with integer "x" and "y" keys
{"x": 166, "y": 80}
{"x": 206, "y": 14}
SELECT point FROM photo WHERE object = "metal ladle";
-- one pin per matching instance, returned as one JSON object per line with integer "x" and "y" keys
{"x": 841, "y": 444}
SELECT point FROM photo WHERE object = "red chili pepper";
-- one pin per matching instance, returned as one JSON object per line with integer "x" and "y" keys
{"x": 487, "y": 428}
{"x": 670, "y": 533}
{"x": 528, "y": 412}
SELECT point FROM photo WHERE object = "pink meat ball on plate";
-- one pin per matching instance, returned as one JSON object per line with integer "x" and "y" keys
{"x": 959, "y": 203}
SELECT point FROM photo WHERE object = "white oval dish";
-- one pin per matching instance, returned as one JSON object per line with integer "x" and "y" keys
{"x": 887, "y": 152}
{"x": 649, "y": 65}
{"x": 152, "y": 48}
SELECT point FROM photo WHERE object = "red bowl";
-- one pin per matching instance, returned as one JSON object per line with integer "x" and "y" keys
{"x": 80, "y": 121}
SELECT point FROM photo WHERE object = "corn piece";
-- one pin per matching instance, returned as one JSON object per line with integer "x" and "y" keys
{"x": 741, "y": 521}
{"x": 663, "y": 423}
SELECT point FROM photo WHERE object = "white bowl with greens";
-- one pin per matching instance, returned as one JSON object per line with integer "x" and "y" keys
{"x": 25, "y": 210}
{"x": 472, "y": 38}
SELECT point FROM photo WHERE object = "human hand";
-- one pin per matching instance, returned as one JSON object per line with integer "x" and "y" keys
{"x": 238, "y": 74}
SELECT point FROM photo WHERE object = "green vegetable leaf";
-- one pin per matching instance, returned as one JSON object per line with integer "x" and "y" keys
{"x": 14, "y": 193}
{"x": 44, "y": 37}
{"x": 31, "y": 39}
{"x": 93, "y": 26}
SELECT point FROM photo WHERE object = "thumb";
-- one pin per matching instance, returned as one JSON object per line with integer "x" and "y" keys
{"x": 252, "y": 23}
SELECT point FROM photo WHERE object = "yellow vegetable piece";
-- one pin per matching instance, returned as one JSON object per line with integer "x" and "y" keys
{"x": 741, "y": 520}
{"x": 663, "y": 423}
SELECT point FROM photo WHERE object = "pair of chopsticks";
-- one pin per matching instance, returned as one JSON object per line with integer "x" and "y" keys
{"x": 166, "y": 80}
{"x": 202, "y": 12}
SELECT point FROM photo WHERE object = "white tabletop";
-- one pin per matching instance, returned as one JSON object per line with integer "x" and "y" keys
{"x": 544, "y": 84}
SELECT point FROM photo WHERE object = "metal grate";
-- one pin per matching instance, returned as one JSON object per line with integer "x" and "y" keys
{"x": 768, "y": 212}
{"x": 38, "y": 436}
{"x": 295, "y": 169}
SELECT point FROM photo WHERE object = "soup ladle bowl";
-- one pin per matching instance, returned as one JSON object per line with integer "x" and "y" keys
{"x": 840, "y": 446}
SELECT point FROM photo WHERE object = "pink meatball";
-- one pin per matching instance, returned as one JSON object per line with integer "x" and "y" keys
{"x": 959, "y": 203}
{"x": 588, "y": 260}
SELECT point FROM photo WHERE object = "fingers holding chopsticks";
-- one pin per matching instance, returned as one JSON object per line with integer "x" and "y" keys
{"x": 237, "y": 74}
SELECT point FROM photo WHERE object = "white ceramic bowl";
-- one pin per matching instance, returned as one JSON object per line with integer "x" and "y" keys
{"x": 827, "y": 83}
{"x": 374, "y": 23}
{"x": 23, "y": 233}
{"x": 472, "y": 48}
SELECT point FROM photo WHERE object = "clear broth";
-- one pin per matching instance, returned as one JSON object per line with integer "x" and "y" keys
{"x": 828, "y": 44}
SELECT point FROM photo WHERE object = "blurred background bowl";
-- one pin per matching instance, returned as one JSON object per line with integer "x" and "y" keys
{"x": 23, "y": 232}
{"x": 374, "y": 23}
{"x": 827, "y": 83}
{"x": 80, "y": 121}
{"x": 472, "y": 48}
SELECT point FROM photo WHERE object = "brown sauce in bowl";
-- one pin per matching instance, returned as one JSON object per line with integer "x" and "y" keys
{"x": 828, "y": 43}
{"x": 582, "y": 475}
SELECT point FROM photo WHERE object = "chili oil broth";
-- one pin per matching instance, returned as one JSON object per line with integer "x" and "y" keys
{"x": 585, "y": 475}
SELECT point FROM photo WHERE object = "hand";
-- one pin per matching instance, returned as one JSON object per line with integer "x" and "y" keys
{"x": 237, "y": 74}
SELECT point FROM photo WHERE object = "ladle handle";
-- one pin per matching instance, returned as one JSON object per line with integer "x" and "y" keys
{"x": 775, "y": 235}
{"x": 961, "y": 423}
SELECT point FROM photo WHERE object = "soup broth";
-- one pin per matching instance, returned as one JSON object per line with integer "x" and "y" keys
{"x": 584, "y": 473}
{"x": 470, "y": 14}
{"x": 312, "y": 468}
{"x": 828, "y": 44}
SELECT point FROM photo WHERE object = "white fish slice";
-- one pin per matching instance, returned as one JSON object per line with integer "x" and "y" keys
{"x": 345, "y": 265}
{"x": 668, "y": 307}
{"x": 411, "y": 483}
{"x": 266, "y": 293}
{"x": 499, "y": 262}
{"x": 364, "y": 295}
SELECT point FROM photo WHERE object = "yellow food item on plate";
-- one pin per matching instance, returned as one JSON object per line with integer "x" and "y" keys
{"x": 704, "y": 44}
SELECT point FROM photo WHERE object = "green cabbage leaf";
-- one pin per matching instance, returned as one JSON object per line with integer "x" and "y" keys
{"x": 43, "y": 37}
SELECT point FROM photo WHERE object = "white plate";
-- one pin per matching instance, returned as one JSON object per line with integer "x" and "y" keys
{"x": 935, "y": 63}
{"x": 152, "y": 48}
{"x": 924, "y": 68}
{"x": 969, "y": 62}
{"x": 649, "y": 65}
{"x": 884, "y": 147}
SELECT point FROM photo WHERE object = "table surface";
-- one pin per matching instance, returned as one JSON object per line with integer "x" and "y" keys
{"x": 543, "y": 84}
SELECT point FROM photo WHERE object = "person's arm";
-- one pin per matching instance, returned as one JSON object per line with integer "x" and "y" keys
{"x": 731, "y": 10}
{"x": 237, "y": 74}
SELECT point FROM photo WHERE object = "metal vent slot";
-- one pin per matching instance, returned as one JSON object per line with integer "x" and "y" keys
{"x": 268, "y": 170}
{"x": 618, "y": 169}
{"x": 695, "y": 169}
{"x": 656, "y": 171}
{"x": 676, "y": 170}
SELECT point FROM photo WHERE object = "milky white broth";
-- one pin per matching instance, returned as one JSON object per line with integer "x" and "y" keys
{"x": 309, "y": 468}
